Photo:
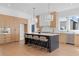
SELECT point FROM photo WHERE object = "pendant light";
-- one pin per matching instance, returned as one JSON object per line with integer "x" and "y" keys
{"x": 33, "y": 21}
{"x": 33, "y": 16}
{"x": 49, "y": 16}
{"x": 33, "y": 12}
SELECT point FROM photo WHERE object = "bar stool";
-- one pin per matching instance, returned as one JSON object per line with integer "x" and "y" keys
{"x": 26, "y": 39}
{"x": 29, "y": 39}
{"x": 43, "y": 42}
{"x": 36, "y": 40}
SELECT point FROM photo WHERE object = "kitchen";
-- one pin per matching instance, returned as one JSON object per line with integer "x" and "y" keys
{"x": 53, "y": 28}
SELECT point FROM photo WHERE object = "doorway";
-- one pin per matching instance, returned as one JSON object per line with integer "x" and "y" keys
{"x": 21, "y": 31}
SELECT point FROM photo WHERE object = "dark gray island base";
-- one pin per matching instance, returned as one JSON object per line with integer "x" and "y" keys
{"x": 51, "y": 42}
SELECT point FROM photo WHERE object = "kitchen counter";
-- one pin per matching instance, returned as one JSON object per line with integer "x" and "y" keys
{"x": 51, "y": 44}
{"x": 42, "y": 34}
{"x": 69, "y": 37}
{"x": 71, "y": 32}
{"x": 4, "y": 33}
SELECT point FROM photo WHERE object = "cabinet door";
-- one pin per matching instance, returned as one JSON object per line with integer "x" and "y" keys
{"x": 7, "y": 38}
{"x": 1, "y": 39}
{"x": 62, "y": 38}
{"x": 15, "y": 33}
{"x": 76, "y": 39}
{"x": 53, "y": 24}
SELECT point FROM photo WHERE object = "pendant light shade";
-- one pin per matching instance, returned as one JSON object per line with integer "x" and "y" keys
{"x": 33, "y": 16}
{"x": 49, "y": 16}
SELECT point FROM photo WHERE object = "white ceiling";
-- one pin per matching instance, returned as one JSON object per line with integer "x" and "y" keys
{"x": 40, "y": 7}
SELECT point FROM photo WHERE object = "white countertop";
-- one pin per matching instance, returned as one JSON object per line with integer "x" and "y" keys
{"x": 71, "y": 32}
{"x": 47, "y": 34}
{"x": 4, "y": 33}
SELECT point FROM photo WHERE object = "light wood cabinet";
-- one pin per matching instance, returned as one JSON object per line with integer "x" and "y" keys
{"x": 5, "y": 38}
{"x": 53, "y": 24}
{"x": 62, "y": 38}
{"x": 14, "y": 24}
{"x": 1, "y": 39}
{"x": 54, "y": 19}
{"x": 76, "y": 39}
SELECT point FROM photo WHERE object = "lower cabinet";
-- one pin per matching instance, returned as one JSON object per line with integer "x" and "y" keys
{"x": 62, "y": 38}
{"x": 1, "y": 39}
{"x": 15, "y": 37}
{"x": 76, "y": 39}
{"x": 5, "y": 38}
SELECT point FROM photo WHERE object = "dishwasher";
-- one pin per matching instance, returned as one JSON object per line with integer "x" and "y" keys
{"x": 70, "y": 38}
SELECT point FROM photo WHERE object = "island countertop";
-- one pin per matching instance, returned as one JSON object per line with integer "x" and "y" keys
{"x": 42, "y": 34}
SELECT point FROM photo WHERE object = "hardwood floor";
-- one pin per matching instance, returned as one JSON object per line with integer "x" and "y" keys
{"x": 20, "y": 49}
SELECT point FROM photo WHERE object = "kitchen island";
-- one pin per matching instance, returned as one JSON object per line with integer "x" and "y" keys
{"x": 50, "y": 41}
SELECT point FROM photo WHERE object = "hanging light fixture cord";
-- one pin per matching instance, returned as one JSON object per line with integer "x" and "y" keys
{"x": 33, "y": 12}
{"x": 48, "y": 8}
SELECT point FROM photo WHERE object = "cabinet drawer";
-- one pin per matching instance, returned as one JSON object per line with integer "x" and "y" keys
{"x": 8, "y": 40}
{"x": 6, "y": 36}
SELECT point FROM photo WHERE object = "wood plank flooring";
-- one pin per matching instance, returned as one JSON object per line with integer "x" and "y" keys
{"x": 20, "y": 49}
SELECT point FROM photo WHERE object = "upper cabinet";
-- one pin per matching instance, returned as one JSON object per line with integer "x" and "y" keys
{"x": 53, "y": 22}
